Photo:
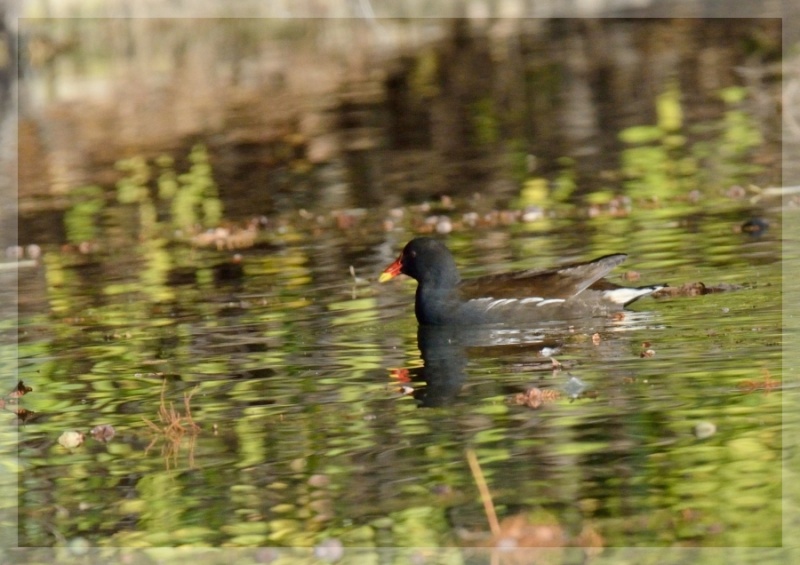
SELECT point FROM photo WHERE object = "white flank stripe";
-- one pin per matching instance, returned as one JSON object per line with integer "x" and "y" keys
{"x": 531, "y": 299}
{"x": 550, "y": 301}
{"x": 501, "y": 302}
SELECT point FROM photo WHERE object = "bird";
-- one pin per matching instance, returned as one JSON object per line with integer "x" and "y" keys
{"x": 560, "y": 293}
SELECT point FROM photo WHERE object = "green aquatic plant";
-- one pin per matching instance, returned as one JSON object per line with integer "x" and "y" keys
{"x": 192, "y": 196}
{"x": 740, "y": 132}
{"x": 196, "y": 200}
{"x": 661, "y": 161}
{"x": 167, "y": 179}
{"x": 728, "y": 143}
{"x": 540, "y": 193}
{"x": 566, "y": 181}
{"x": 132, "y": 187}
{"x": 656, "y": 164}
{"x": 80, "y": 220}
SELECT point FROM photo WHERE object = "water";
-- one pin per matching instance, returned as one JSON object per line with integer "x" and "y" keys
{"x": 299, "y": 404}
{"x": 317, "y": 414}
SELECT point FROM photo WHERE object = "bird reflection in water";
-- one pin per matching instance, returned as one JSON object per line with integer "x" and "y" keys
{"x": 446, "y": 350}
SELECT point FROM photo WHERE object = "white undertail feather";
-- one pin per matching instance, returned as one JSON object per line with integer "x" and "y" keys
{"x": 623, "y": 295}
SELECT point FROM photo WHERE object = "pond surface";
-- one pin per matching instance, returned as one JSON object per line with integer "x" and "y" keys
{"x": 300, "y": 381}
{"x": 297, "y": 403}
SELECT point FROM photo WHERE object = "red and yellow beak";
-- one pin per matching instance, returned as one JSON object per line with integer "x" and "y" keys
{"x": 392, "y": 270}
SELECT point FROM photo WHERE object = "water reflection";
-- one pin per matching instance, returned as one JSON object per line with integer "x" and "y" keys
{"x": 446, "y": 351}
{"x": 444, "y": 361}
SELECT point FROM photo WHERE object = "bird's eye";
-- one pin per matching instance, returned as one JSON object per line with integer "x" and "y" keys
{"x": 413, "y": 253}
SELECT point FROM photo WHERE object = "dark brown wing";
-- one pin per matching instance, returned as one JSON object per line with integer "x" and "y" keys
{"x": 560, "y": 282}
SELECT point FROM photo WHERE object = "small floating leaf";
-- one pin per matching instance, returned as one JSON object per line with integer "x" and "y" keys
{"x": 704, "y": 430}
{"x": 71, "y": 439}
{"x": 103, "y": 432}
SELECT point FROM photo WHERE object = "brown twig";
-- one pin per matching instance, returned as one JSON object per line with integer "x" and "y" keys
{"x": 483, "y": 488}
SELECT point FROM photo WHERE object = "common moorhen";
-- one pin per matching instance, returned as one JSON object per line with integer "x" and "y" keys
{"x": 522, "y": 297}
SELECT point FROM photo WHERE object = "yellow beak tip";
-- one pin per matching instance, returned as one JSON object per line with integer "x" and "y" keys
{"x": 385, "y": 277}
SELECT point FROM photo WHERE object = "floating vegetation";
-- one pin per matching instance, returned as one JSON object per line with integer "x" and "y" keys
{"x": 71, "y": 439}
{"x": 11, "y": 400}
{"x": 535, "y": 397}
{"x": 172, "y": 427}
{"x": 103, "y": 433}
{"x": 766, "y": 384}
